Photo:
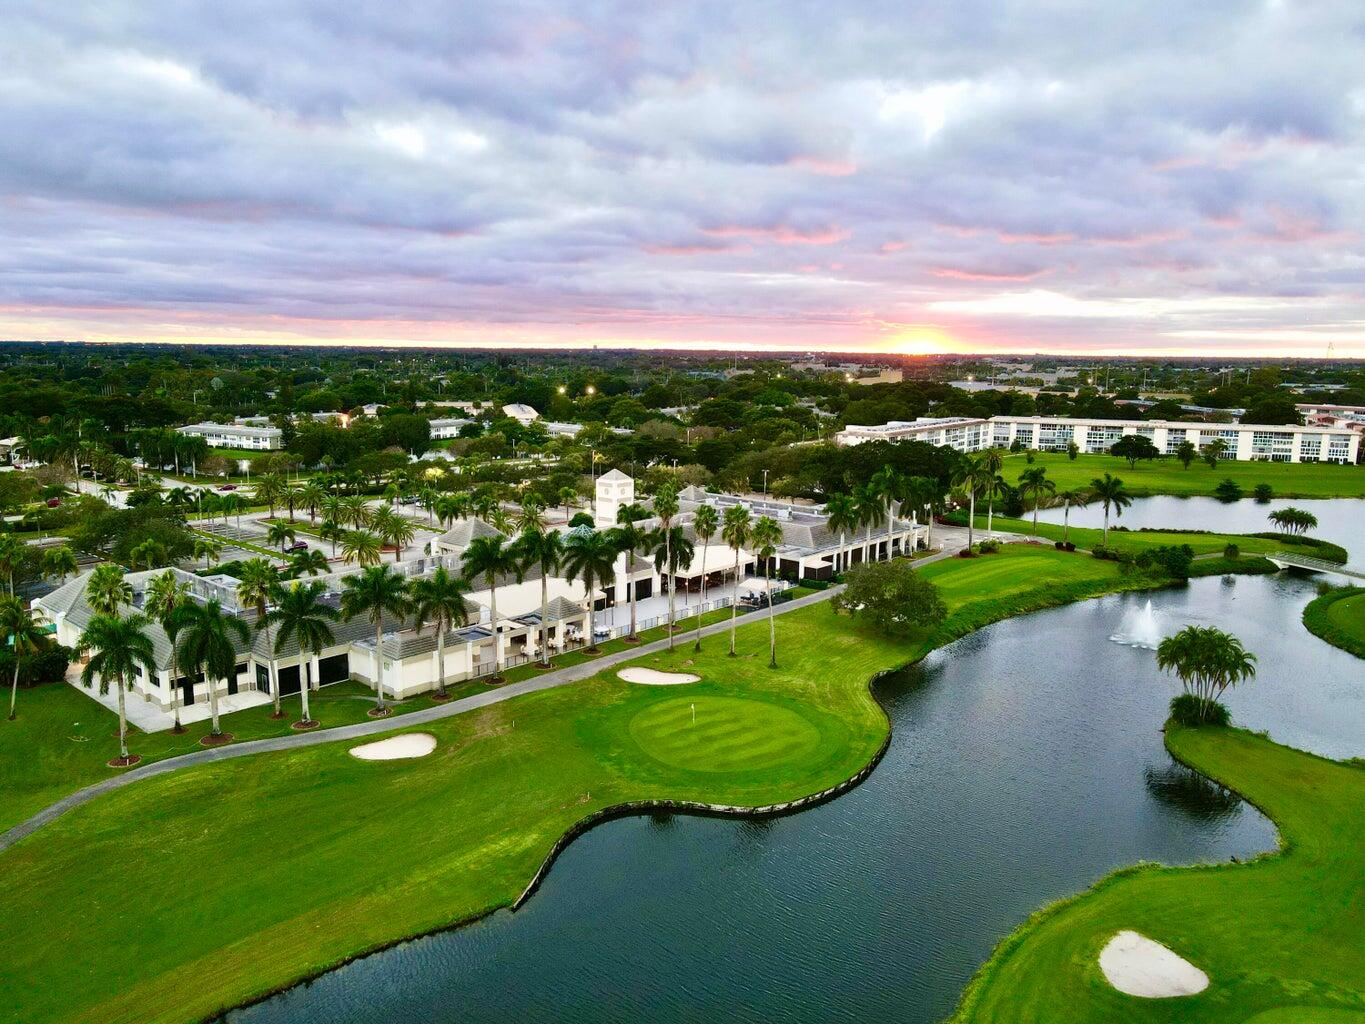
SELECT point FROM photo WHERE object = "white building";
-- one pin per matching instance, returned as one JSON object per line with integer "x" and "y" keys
{"x": 444, "y": 428}
{"x": 523, "y": 414}
{"x": 236, "y": 435}
{"x": 1244, "y": 441}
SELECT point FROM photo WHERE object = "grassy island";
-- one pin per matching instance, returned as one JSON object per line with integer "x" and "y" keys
{"x": 1338, "y": 616}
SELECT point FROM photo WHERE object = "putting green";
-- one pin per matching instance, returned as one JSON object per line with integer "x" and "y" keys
{"x": 722, "y": 734}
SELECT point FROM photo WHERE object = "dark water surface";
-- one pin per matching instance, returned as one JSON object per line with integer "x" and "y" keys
{"x": 1340, "y": 520}
{"x": 1025, "y": 763}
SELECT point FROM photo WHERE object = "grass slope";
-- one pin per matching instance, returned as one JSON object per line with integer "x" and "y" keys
{"x": 1167, "y": 476}
{"x": 207, "y": 887}
{"x": 1279, "y": 937}
{"x": 1338, "y": 617}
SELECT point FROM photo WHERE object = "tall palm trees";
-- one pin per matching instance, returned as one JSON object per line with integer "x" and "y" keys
{"x": 60, "y": 562}
{"x": 308, "y": 563}
{"x": 842, "y": 518}
{"x": 12, "y": 551}
{"x": 26, "y": 638}
{"x": 545, "y": 550}
{"x": 735, "y": 526}
{"x": 1294, "y": 520}
{"x": 440, "y": 599}
{"x": 206, "y": 640}
{"x": 311, "y": 496}
{"x": 1110, "y": 492}
{"x": 590, "y": 556}
{"x": 672, "y": 553}
{"x": 270, "y": 491}
{"x": 888, "y": 485}
{"x": 991, "y": 464}
{"x": 490, "y": 558}
{"x": 968, "y": 478}
{"x": 666, "y": 507}
{"x": 207, "y": 548}
{"x": 373, "y": 593}
{"x": 301, "y": 614}
{"x": 1069, "y": 497}
{"x": 361, "y": 547}
{"x": 705, "y": 523}
{"x": 118, "y": 646}
{"x": 107, "y": 591}
{"x": 1207, "y": 662}
{"x": 258, "y": 585}
{"x": 280, "y": 535}
{"x": 766, "y": 537}
{"x": 394, "y": 530}
{"x": 630, "y": 538}
{"x": 1033, "y": 482}
{"x": 164, "y": 594}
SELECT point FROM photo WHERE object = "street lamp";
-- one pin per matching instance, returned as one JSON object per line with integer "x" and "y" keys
{"x": 589, "y": 390}
{"x": 765, "y": 485}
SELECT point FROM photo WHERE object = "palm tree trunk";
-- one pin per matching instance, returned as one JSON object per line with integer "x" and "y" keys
{"x": 270, "y": 672}
{"x": 840, "y": 565}
{"x": 1035, "y": 517}
{"x": 697, "y": 645}
{"x": 734, "y": 605}
{"x": 990, "y": 513}
{"x": 379, "y": 662}
{"x": 772, "y": 620}
{"x": 14, "y": 685}
{"x": 672, "y": 583}
{"x": 497, "y": 637}
{"x": 175, "y": 703}
{"x": 1106, "y": 524}
{"x": 592, "y": 616}
{"x": 122, "y": 720}
{"x": 1066, "y": 522}
{"x": 544, "y": 616}
{"x": 890, "y": 524}
{"x": 441, "y": 657}
{"x": 971, "y": 520}
{"x": 213, "y": 703}
{"x": 630, "y": 585}
{"x": 307, "y": 685}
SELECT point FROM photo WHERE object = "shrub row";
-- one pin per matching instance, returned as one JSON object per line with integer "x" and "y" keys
{"x": 47, "y": 666}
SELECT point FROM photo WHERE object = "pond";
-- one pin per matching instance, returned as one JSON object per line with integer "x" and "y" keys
{"x": 1025, "y": 763}
{"x": 1340, "y": 520}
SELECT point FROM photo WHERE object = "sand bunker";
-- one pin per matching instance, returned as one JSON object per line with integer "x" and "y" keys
{"x": 396, "y": 748}
{"x": 1137, "y": 966}
{"x": 653, "y": 677}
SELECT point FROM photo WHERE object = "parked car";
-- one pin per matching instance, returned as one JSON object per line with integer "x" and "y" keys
{"x": 298, "y": 545}
{"x": 54, "y": 502}
{"x": 227, "y": 487}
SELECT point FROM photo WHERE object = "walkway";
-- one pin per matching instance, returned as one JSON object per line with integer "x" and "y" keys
{"x": 1288, "y": 560}
{"x": 948, "y": 537}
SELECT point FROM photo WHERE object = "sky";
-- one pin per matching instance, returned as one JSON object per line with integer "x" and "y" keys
{"x": 940, "y": 176}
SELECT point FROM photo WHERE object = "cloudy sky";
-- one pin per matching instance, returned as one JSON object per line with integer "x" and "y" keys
{"x": 887, "y": 176}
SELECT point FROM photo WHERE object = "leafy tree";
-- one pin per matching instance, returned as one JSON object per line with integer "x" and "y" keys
{"x": 1263, "y": 493}
{"x": 107, "y": 590}
{"x": 735, "y": 528}
{"x": 1072, "y": 450}
{"x": 1134, "y": 447}
{"x": 270, "y": 491}
{"x": 373, "y": 593}
{"x": 1229, "y": 490}
{"x": 301, "y": 614}
{"x": 1207, "y": 662}
{"x": 1186, "y": 452}
{"x": 1213, "y": 451}
{"x": 60, "y": 562}
{"x": 892, "y": 597}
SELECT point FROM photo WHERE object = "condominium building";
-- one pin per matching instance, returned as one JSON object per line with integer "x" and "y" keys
{"x": 1244, "y": 442}
{"x": 236, "y": 435}
{"x": 444, "y": 428}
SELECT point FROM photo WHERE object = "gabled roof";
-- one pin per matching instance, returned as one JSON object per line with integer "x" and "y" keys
{"x": 466, "y": 530}
{"x": 615, "y": 476}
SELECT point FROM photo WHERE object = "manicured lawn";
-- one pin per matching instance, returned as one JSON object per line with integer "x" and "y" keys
{"x": 1338, "y": 616}
{"x": 197, "y": 890}
{"x": 1279, "y": 937}
{"x": 1167, "y": 476}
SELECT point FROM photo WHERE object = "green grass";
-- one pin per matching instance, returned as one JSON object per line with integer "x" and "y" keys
{"x": 1338, "y": 617}
{"x": 1167, "y": 476}
{"x": 198, "y": 890}
{"x": 1242, "y": 566}
{"x": 1279, "y": 937}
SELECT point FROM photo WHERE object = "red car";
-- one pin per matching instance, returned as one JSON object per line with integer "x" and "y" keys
{"x": 227, "y": 487}
{"x": 54, "y": 502}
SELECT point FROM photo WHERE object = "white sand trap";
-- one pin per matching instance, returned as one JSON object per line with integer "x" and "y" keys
{"x": 653, "y": 677}
{"x": 396, "y": 748}
{"x": 1137, "y": 966}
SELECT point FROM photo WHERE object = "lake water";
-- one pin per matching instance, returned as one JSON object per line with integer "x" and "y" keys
{"x": 1340, "y": 520}
{"x": 1025, "y": 763}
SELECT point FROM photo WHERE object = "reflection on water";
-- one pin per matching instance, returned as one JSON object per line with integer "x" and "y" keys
{"x": 1025, "y": 762}
{"x": 1190, "y": 793}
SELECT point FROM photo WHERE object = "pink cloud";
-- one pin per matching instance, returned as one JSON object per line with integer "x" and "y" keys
{"x": 1055, "y": 238}
{"x": 892, "y": 246}
{"x": 958, "y": 274}
{"x": 782, "y": 234}
{"x": 829, "y": 168}
{"x": 1136, "y": 241}
{"x": 693, "y": 249}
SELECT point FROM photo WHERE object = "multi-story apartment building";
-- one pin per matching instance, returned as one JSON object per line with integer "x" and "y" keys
{"x": 236, "y": 435}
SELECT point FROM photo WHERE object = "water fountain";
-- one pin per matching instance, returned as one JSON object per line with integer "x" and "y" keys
{"x": 1141, "y": 627}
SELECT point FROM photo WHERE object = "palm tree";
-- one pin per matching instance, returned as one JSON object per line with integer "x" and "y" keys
{"x": 394, "y": 531}
{"x": 490, "y": 558}
{"x": 869, "y": 505}
{"x": 665, "y": 508}
{"x": 992, "y": 462}
{"x": 361, "y": 547}
{"x": 447, "y": 507}
{"x": 26, "y": 638}
{"x": 207, "y": 548}
{"x": 766, "y": 536}
{"x": 1074, "y": 496}
{"x": 356, "y": 511}
{"x": 531, "y": 515}
{"x": 107, "y": 591}
{"x": 440, "y": 599}
{"x": 333, "y": 531}
{"x": 841, "y": 517}
{"x": 270, "y": 491}
{"x": 12, "y": 552}
{"x": 968, "y": 478}
{"x": 118, "y": 646}
{"x": 60, "y": 562}
{"x": 888, "y": 485}
{"x": 1207, "y": 662}
{"x": 590, "y": 556}
{"x": 705, "y": 523}
{"x": 149, "y": 553}
{"x": 1110, "y": 492}
{"x": 545, "y": 550}
{"x": 631, "y": 538}
{"x": 280, "y": 535}
{"x": 258, "y": 585}
{"x": 1034, "y": 482}
{"x": 204, "y": 642}
{"x": 311, "y": 496}
{"x": 164, "y": 594}
{"x": 308, "y": 563}
{"x": 672, "y": 553}
{"x": 567, "y": 497}
{"x": 300, "y": 613}
{"x": 374, "y": 592}
{"x": 735, "y": 532}
{"x": 333, "y": 510}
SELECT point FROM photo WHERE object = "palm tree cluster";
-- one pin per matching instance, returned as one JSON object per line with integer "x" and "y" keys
{"x": 1294, "y": 520}
{"x": 1207, "y": 661}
